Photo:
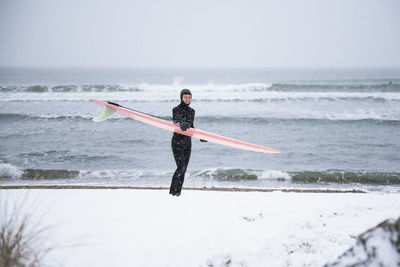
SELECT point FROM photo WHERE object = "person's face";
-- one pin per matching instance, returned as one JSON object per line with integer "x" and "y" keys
{"x": 187, "y": 99}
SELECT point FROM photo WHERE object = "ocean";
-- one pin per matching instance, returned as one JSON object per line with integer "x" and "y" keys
{"x": 336, "y": 128}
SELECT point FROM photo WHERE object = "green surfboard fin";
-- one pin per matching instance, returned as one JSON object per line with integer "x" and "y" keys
{"x": 107, "y": 112}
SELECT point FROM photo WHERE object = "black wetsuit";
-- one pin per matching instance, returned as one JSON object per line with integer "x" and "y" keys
{"x": 181, "y": 146}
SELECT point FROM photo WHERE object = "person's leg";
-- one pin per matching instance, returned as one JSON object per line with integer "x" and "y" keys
{"x": 179, "y": 156}
{"x": 181, "y": 151}
{"x": 187, "y": 151}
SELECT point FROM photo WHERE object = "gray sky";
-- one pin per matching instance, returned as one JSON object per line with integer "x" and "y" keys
{"x": 202, "y": 33}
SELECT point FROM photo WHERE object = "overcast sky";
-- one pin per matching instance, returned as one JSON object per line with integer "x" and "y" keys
{"x": 202, "y": 33}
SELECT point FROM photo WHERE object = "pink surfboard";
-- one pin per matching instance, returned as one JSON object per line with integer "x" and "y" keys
{"x": 110, "y": 108}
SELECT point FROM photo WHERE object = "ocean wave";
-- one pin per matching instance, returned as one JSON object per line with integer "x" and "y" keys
{"x": 356, "y": 116}
{"x": 34, "y": 174}
{"x": 69, "y": 88}
{"x": 55, "y": 117}
{"x": 202, "y": 96}
{"x": 112, "y": 174}
{"x": 346, "y": 177}
{"x": 315, "y": 177}
{"x": 386, "y": 86}
{"x": 17, "y": 117}
{"x": 310, "y": 98}
{"x": 8, "y": 171}
{"x": 322, "y": 119}
{"x": 234, "y": 174}
{"x": 134, "y": 88}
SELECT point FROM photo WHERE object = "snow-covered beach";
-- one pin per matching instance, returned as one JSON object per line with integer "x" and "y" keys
{"x": 123, "y": 227}
{"x": 318, "y": 81}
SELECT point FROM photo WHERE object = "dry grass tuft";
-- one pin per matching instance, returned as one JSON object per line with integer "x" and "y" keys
{"x": 22, "y": 240}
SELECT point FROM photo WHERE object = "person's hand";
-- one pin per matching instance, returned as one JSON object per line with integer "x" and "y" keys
{"x": 183, "y": 126}
{"x": 203, "y": 141}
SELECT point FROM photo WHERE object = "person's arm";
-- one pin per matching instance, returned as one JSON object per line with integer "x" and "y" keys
{"x": 192, "y": 122}
{"x": 176, "y": 117}
{"x": 201, "y": 140}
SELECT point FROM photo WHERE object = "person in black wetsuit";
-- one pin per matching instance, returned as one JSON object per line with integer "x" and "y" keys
{"x": 183, "y": 116}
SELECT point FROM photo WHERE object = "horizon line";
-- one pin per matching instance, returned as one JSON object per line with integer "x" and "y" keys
{"x": 194, "y": 67}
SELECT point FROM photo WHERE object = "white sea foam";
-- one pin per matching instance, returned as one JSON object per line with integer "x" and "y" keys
{"x": 230, "y": 171}
{"x": 226, "y": 93}
{"x": 111, "y": 174}
{"x": 339, "y": 115}
{"x": 274, "y": 175}
{"x": 144, "y": 86}
{"x": 258, "y": 117}
{"x": 9, "y": 171}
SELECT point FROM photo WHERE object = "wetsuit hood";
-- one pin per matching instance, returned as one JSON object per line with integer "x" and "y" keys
{"x": 185, "y": 92}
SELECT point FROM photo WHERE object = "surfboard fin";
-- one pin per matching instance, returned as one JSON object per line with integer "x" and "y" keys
{"x": 107, "y": 112}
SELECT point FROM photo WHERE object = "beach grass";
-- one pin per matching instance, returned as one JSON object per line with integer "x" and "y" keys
{"x": 22, "y": 239}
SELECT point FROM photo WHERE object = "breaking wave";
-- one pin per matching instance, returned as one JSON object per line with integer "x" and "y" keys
{"x": 8, "y": 171}
{"x": 346, "y": 177}
{"x": 386, "y": 86}
{"x": 201, "y": 96}
{"x": 232, "y": 174}
{"x": 316, "y": 177}
{"x": 69, "y": 88}
{"x": 356, "y": 116}
{"x": 86, "y": 117}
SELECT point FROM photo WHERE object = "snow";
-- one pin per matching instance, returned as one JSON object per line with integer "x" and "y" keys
{"x": 124, "y": 227}
{"x": 378, "y": 246}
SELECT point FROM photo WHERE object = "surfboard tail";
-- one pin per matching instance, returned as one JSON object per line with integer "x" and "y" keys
{"x": 107, "y": 112}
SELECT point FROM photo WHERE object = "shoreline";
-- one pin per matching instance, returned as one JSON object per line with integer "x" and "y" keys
{"x": 221, "y": 189}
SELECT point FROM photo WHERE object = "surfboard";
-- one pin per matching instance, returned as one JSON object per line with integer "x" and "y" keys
{"x": 110, "y": 108}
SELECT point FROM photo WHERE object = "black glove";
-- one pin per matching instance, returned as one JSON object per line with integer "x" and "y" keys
{"x": 203, "y": 141}
{"x": 183, "y": 126}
